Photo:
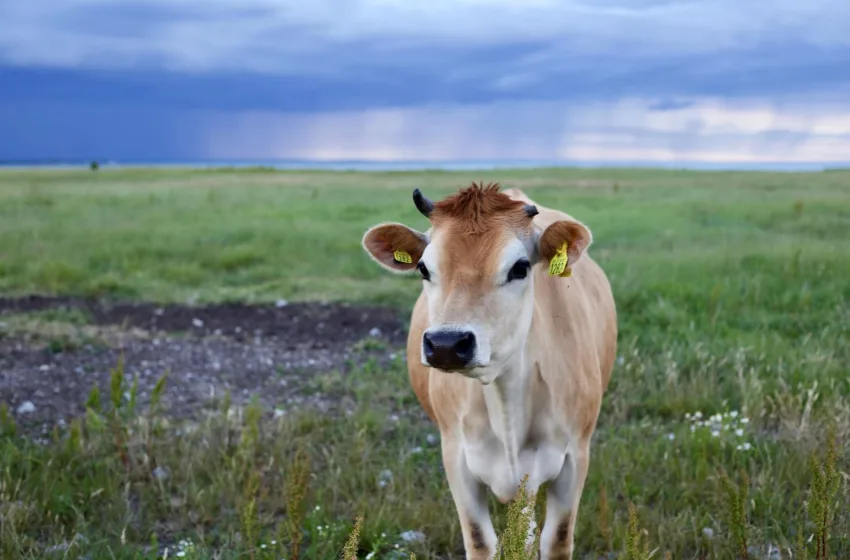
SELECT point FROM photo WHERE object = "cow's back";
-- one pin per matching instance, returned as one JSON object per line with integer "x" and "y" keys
{"x": 573, "y": 338}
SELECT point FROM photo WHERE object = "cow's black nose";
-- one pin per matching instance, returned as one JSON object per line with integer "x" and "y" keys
{"x": 449, "y": 349}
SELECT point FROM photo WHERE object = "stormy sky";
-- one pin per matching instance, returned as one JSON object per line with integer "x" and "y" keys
{"x": 601, "y": 80}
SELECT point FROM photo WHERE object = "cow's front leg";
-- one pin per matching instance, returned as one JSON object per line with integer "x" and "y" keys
{"x": 562, "y": 501}
{"x": 470, "y": 497}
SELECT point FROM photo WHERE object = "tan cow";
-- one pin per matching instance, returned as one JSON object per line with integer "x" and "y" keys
{"x": 509, "y": 361}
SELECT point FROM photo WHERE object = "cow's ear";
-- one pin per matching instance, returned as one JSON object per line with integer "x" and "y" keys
{"x": 575, "y": 234}
{"x": 396, "y": 247}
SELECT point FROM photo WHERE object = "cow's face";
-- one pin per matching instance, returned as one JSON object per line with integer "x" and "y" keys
{"x": 476, "y": 264}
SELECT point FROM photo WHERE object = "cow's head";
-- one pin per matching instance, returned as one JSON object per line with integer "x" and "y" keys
{"x": 476, "y": 264}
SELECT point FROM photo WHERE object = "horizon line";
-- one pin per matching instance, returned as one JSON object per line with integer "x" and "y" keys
{"x": 293, "y": 164}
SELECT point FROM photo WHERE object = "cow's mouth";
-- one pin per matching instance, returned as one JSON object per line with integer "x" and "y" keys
{"x": 475, "y": 373}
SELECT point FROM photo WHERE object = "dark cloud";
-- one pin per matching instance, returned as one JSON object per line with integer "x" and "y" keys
{"x": 472, "y": 76}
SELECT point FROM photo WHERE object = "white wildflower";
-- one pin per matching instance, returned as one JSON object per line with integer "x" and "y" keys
{"x": 385, "y": 478}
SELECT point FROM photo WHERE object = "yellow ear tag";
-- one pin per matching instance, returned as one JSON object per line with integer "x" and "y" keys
{"x": 402, "y": 257}
{"x": 558, "y": 264}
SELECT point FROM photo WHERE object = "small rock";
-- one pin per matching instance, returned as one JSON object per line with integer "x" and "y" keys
{"x": 61, "y": 547}
{"x": 177, "y": 502}
{"x": 197, "y": 323}
{"x": 375, "y": 332}
{"x": 412, "y": 536}
{"x": 708, "y": 532}
{"x": 44, "y": 367}
{"x": 26, "y": 407}
{"x": 281, "y": 303}
{"x": 278, "y": 412}
{"x": 160, "y": 473}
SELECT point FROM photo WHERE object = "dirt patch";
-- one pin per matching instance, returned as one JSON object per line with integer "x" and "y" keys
{"x": 321, "y": 325}
{"x": 272, "y": 351}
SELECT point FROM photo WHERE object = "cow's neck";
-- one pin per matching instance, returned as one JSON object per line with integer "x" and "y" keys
{"x": 507, "y": 400}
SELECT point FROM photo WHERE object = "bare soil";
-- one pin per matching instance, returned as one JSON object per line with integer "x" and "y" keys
{"x": 271, "y": 351}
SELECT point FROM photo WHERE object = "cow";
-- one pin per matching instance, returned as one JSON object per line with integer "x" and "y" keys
{"x": 509, "y": 352}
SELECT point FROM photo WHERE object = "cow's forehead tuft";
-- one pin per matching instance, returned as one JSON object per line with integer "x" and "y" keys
{"x": 479, "y": 209}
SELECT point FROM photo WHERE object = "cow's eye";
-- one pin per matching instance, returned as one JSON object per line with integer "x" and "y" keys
{"x": 519, "y": 270}
{"x": 423, "y": 270}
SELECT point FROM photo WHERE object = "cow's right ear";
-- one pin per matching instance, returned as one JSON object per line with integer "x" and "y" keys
{"x": 396, "y": 247}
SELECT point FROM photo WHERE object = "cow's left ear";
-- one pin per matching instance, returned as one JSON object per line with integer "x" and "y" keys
{"x": 395, "y": 247}
{"x": 575, "y": 234}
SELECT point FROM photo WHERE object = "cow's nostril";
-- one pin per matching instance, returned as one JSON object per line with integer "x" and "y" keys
{"x": 428, "y": 345}
{"x": 465, "y": 347}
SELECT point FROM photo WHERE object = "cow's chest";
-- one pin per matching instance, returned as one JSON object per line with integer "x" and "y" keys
{"x": 541, "y": 452}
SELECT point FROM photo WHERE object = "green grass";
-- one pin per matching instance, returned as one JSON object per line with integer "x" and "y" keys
{"x": 732, "y": 291}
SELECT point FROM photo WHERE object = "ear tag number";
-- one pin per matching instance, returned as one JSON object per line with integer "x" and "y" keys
{"x": 558, "y": 264}
{"x": 402, "y": 257}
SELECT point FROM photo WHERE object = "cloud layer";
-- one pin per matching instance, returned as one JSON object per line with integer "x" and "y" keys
{"x": 527, "y": 78}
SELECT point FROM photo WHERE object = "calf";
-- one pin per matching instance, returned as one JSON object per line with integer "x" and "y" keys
{"x": 511, "y": 346}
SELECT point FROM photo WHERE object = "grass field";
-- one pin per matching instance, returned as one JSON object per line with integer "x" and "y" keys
{"x": 733, "y": 294}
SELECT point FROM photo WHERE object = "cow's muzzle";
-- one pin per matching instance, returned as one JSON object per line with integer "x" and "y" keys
{"x": 449, "y": 349}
